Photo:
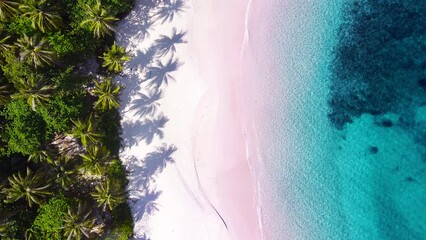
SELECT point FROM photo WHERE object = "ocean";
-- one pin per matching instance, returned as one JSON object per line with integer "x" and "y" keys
{"x": 342, "y": 122}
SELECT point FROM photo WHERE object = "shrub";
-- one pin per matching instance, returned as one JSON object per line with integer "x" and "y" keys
{"x": 49, "y": 221}
{"x": 24, "y": 131}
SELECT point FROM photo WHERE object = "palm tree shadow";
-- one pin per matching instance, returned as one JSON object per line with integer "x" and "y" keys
{"x": 159, "y": 73}
{"x": 146, "y": 104}
{"x": 144, "y": 131}
{"x": 141, "y": 59}
{"x": 145, "y": 203}
{"x": 155, "y": 162}
{"x": 170, "y": 8}
{"x": 166, "y": 44}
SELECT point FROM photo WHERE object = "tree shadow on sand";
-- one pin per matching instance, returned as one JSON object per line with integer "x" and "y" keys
{"x": 146, "y": 104}
{"x": 166, "y": 44}
{"x": 159, "y": 73}
{"x": 144, "y": 131}
{"x": 168, "y": 10}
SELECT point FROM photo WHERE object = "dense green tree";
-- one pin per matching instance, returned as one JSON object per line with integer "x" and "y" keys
{"x": 99, "y": 20}
{"x": 107, "y": 93}
{"x": 35, "y": 51}
{"x": 8, "y": 8}
{"x": 34, "y": 90}
{"x": 114, "y": 58}
{"x": 78, "y": 223}
{"x": 60, "y": 109}
{"x": 33, "y": 187}
{"x": 39, "y": 156}
{"x": 42, "y": 14}
{"x": 49, "y": 221}
{"x": 85, "y": 131}
{"x": 108, "y": 196}
{"x": 24, "y": 131}
{"x": 94, "y": 160}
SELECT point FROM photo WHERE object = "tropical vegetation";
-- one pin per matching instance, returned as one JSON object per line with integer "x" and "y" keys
{"x": 60, "y": 173}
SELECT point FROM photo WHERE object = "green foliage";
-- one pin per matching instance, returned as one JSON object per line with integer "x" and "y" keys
{"x": 8, "y": 9}
{"x": 33, "y": 187}
{"x": 34, "y": 90}
{"x": 42, "y": 14}
{"x": 108, "y": 195}
{"x": 98, "y": 19}
{"x": 94, "y": 160}
{"x": 122, "y": 223}
{"x": 49, "y": 221}
{"x": 114, "y": 58}
{"x": 107, "y": 92}
{"x": 64, "y": 44}
{"x": 60, "y": 109}
{"x": 20, "y": 26}
{"x": 116, "y": 172}
{"x": 85, "y": 131}
{"x": 24, "y": 131}
{"x": 35, "y": 51}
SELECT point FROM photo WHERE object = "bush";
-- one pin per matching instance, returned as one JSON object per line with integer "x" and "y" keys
{"x": 60, "y": 109}
{"x": 20, "y": 26}
{"x": 49, "y": 221}
{"x": 24, "y": 131}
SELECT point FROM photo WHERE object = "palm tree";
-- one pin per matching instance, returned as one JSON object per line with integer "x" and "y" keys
{"x": 8, "y": 8}
{"x": 107, "y": 93}
{"x": 147, "y": 104}
{"x": 78, "y": 223}
{"x": 33, "y": 187}
{"x": 4, "y": 95}
{"x": 85, "y": 131}
{"x": 34, "y": 90}
{"x": 114, "y": 58}
{"x": 4, "y": 46}
{"x": 159, "y": 74}
{"x": 169, "y": 10}
{"x": 94, "y": 160}
{"x": 108, "y": 196}
{"x": 99, "y": 20}
{"x": 62, "y": 171}
{"x": 41, "y": 13}
{"x": 166, "y": 44}
{"x": 35, "y": 51}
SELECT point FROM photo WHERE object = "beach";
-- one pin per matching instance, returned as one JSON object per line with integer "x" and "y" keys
{"x": 200, "y": 184}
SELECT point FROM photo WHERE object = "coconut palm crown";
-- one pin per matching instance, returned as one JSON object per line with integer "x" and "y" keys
{"x": 34, "y": 90}
{"x": 85, "y": 131}
{"x": 108, "y": 196}
{"x": 78, "y": 223}
{"x": 8, "y": 8}
{"x": 33, "y": 187}
{"x": 99, "y": 21}
{"x": 35, "y": 51}
{"x": 107, "y": 93}
{"x": 114, "y": 58}
{"x": 41, "y": 13}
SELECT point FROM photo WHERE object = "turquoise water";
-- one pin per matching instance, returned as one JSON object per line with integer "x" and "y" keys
{"x": 349, "y": 123}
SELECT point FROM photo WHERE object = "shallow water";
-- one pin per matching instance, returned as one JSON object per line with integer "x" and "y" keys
{"x": 345, "y": 168}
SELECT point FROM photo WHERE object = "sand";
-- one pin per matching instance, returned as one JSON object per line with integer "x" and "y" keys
{"x": 206, "y": 189}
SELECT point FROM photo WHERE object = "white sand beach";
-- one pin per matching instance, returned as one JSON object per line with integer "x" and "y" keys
{"x": 189, "y": 175}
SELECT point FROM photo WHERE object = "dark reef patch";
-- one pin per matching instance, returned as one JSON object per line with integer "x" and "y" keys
{"x": 374, "y": 150}
{"x": 379, "y": 60}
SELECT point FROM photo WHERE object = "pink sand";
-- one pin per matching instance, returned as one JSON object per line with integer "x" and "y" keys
{"x": 225, "y": 131}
